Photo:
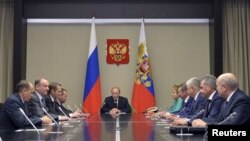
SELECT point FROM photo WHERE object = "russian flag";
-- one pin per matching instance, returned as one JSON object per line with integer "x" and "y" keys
{"x": 143, "y": 92}
{"x": 92, "y": 89}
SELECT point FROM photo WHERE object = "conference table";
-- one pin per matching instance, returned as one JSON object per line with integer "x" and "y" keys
{"x": 103, "y": 127}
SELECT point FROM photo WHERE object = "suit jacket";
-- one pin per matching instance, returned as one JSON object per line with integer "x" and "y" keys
{"x": 238, "y": 103}
{"x": 213, "y": 110}
{"x": 186, "y": 107}
{"x": 109, "y": 104}
{"x": 35, "y": 107}
{"x": 11, "y": 118}
{"x": 65, "y": 110}
{"x": 197, "y": 105}
{"x": 52, "y": 106}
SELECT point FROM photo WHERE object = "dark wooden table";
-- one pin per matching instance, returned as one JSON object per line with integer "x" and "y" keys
{"x": 125, "y": 127}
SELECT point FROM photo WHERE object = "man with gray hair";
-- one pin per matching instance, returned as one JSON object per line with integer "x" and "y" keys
{"x": 12, "y": 114}
{"x": 213, "y": 102}
{"x": 193, "y": 90}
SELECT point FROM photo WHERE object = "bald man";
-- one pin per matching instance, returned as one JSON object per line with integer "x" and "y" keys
{"x": 235, "y": 109}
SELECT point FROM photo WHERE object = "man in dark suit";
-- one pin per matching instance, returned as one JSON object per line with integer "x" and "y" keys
{"x": 193, "y": 90}
{"x": 11, "y": 117}
{"x": 37, "y": 101}
{"x": 115, "y": 104}
{"x": 235, "y": 110}
{"x": 62, "y": 99}
{"x": 213, "y": 102}
{"x": 54, "y": 92}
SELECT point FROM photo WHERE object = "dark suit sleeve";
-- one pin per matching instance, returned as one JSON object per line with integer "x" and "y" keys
{"x": 105, "y": 107}
{"x": 12, "y": 111}
{"x": 65, "y": 110}
{"x": 239, "y": 104}
{"x": 186, "y": 109}
{"x": 126, "y": 107}
{"x": 34, "y": 107}
{"x": 197, "y": 106}
{"x": 215, "y": 110}
{"x": 242, "y": 110}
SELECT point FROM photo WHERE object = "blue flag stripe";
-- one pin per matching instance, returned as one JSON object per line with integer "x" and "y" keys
{"x": 92, "y": 73}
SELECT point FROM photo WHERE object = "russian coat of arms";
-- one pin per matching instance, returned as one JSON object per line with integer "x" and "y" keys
{"x": 117, "y": 51}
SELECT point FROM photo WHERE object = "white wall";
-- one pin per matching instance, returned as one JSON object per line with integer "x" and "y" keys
{"x": 59, "y": 53}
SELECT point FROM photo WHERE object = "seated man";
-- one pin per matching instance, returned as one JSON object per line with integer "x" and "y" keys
{"x": 59, "y": 103}
{"x": 11, "y": 116}
{"x": 115, "y": 104}
{"x": 213, "y": 101}
{"x": 37, "y": 104}
{"x": 54, "y": 92}
{"x": 193, "y": 90}
{"x": 235, "y": 109}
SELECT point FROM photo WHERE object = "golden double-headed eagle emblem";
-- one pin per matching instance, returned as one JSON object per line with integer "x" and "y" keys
{"x": 117, "y": 51}
{"x": 143, "y": 72}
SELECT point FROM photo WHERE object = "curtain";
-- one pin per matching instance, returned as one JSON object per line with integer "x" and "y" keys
{"x": 6, "y": 47}
{"x": 236, "y": 40}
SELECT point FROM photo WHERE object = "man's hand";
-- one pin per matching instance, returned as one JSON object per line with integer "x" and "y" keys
{"x": 198, "y": 123}
{"x": 46, "y": 120}
{"x": 180, "y": 121}
{"x": 114, "y": 111}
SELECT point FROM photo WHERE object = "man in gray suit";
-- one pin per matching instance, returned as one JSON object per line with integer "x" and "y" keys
{"x": 11, "y": 116}
{"x": 37, "y": 101}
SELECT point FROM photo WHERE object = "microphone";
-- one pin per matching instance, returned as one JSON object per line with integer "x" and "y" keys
{"x": 76, "y": 107}
{"x": 201, "y": 112}
{"x": 83, "y": 108}
{"x": 80, "y": 105}
{"x": 231, "y": 116}
{"x": 69, "y": 108}
{"x": 62, "y": 111}
{"x": 21, "y": 110}
{"x": 197, "y": 115}
{"x": 103, "y": 104}
{"x": 50, "y": 116}
{"x": 163, "y": 108}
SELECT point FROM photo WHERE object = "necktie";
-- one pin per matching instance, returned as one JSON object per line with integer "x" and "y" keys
{"x": 223, "y": 111}
{"x": 42, "y": 102}
{"x": 225, "y": 107}
{"x": 207, "y": 107}
{"x": 116, "y": 102}
{"x": 25, "y": 109}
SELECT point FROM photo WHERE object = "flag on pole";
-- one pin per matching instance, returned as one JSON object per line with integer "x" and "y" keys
{"x": 92, "y": 89}
{"x": 143, "y": 93}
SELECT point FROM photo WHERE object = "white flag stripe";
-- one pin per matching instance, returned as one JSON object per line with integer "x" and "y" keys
{"x": 93, "y": 42}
